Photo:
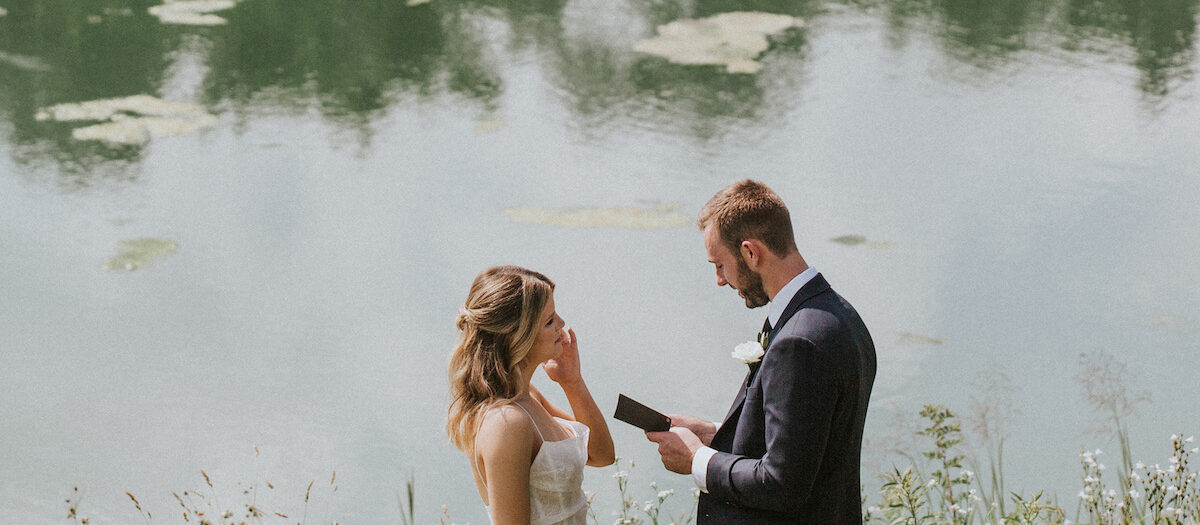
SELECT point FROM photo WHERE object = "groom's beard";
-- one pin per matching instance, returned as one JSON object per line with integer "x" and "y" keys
{"x": 752, "y": 286}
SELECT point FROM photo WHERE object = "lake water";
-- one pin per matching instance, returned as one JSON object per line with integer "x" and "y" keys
{"x": 1025, "y": 176}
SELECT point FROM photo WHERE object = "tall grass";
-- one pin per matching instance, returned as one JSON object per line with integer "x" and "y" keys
{"x": 936, "y": 483}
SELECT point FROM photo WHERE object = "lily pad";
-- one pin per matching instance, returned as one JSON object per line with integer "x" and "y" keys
{"x": 733, "y": 40}
{"x": 614, "y": 217}
{"x": 139, "y": 252}
{"x": 134, "y": 120}
{"x": 192, "y": 12}
{"x": 24, "y": 62}
{"x": 849, "y": 240}
{"x": 918, "y": 339}
{"x": 488, "y": 125}
{"x": 859, "y": 240}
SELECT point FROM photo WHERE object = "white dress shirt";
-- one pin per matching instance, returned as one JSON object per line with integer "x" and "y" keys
{"x": 774, "y": 312}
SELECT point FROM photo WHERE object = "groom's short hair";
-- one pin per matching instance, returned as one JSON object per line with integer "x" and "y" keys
{"x": 748, "y": 209}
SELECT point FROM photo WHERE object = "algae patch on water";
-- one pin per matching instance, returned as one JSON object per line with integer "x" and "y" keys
{"x": 859, "y": 240}
{"x": 27, "y": 63}
{"x": 191, "y": 12}
{"x": 139, "y": 252}
{"x": 133, "y": 120}
{"x": 663, "y": 216}
{"x": 918, "y": 339}
{"x": 733, "y": 40}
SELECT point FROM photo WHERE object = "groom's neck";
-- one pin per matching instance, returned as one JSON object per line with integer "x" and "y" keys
{"x": 777, "y": 275}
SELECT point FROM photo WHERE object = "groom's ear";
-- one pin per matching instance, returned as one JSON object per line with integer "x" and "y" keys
{"x": 751, "y": 253}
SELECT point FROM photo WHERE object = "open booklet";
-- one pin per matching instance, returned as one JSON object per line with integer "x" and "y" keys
{"x": 640, "y": 415}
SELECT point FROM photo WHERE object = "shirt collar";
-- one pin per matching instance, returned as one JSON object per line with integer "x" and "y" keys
{"x": 780, "y": 302}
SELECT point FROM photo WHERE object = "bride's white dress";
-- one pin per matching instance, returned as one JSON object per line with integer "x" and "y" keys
{"x": 556, "y": 478}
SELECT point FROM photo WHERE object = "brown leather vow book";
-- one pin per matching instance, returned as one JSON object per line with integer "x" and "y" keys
{"x": 640, "y": 415}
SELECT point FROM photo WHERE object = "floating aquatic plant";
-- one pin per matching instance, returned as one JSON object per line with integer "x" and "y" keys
{"x": 24, "y": 62}
{"x": 133, "y": 120}
{"x": 733, "y": 40}
{"x": 849, "y": 240}
{"x": 139, "y": 252}
{"x": 192, "y": 12}
{"x": 859, "y": 240}
{"x": 663, "y": 216}
{"x": 918, "y": 339}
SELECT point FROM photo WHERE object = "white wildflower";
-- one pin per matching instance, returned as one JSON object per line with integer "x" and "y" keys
{"x": 1133, "y": 494}
{"x": 1140, "y": 466}
{"x": 1100, "y": 466}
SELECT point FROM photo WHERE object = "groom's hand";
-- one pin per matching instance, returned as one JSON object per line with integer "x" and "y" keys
{"x": 701, "y": 428}
{"x": 676, "y": 447}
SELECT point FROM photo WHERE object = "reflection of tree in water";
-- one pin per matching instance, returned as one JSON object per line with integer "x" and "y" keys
{"x": 349, "y": 57}
{"x": 986, "y": 33}
{"x": 605, "y": 82}
{"x": 117, "y": 54}
{"x": 1162, "y": 33}
{"x": 352, "y": 59}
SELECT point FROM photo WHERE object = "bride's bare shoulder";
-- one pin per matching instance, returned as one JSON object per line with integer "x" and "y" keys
{"x": 505, "y": 427}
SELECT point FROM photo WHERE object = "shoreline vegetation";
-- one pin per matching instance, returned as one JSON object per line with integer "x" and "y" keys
{"x": 951, "y": 481}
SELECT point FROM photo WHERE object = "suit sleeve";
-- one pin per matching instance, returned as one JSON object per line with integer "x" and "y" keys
{"x": 799, "y": 395}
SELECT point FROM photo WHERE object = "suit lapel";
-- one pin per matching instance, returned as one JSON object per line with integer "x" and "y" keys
{"x": 810, "y": 289}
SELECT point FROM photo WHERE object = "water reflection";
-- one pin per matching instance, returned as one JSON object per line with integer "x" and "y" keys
{"x": 1156, "y": 37}
{"x": 86, "y": 55}
{"x": 351, "y": 60}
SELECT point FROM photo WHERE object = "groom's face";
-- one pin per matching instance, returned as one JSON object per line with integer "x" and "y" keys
{"x": 732, "y": 270}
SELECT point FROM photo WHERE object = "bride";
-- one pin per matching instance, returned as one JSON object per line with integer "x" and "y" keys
{"x": 526, "y": 454}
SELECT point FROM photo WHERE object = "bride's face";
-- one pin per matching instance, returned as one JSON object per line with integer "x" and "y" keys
{"x": 549, "y": 342}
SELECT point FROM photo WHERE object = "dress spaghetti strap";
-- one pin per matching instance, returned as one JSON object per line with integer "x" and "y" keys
{"x": 475, "y": 451}
{"x": 531, "y": 420}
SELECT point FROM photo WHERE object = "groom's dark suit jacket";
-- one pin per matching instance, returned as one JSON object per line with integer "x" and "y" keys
{"x": 788, "y": 451}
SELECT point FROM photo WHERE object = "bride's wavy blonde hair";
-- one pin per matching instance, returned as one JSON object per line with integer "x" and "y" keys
{"x": 497, "y": 326}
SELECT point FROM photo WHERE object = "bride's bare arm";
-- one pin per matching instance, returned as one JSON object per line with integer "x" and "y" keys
{"x": 505, "y": 445}
{"x": 564, "y": 370}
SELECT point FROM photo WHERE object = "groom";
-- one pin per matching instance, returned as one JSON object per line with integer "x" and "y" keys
{"x": 788, "y": 450}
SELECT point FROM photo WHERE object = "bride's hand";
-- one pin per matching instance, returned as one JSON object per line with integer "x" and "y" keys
{"x": 564, "y": 369}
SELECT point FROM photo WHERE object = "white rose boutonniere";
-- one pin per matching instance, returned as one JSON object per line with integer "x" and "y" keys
{"x": 749, "y": 352}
